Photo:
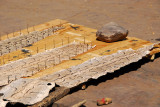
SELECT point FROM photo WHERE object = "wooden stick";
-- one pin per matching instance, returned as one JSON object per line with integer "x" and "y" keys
{"x": 53, "y": 43}
{"x": 38, "y": 67}
{"x": 8, "y": 79}
{"x": 9, "y": 50}
{"x": 0, "y": 37}
{"x": 79, "y": 104}
{"x": 15, "y": 77}
{"x": 68, "y": 40}
{"x": 32, "y": 72}
{"x": 3, "y": 60}
{"x": 91, "y": 45}
{"x": 76, "y": 49}
{"x": 60, "y": 24}
{"x": 18, "y": 56}
{"x": 7, "y": 36}
{"x": 54, "y": 61}
{"x": 15, "y": 46}
{"x": 20, "y": 31}
{"x": 69, "y": 56}
{"x": 27, "y": 29}
{"x": 59, "y": 58}
{"x": 62, "y": 42}
{"x": 13, "y": 33}
{"x": 45, "y": 65}
{"x": 34, "y": 28}
{"x": 45, "y": 47}
{"x": 84, "y": 40}
{"x": 48, "y": 32}
{"x": 37, "y": 50}
{"x": 37, "y": 38}
{"x": 8, "y": 57}
{"x": 52, "y": 29}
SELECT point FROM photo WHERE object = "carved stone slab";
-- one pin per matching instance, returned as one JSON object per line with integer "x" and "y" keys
{"x": 96, "y": 67}
{"x": 31, "y": 65}
{"x": 27, "y": 91}
{"x": 3, "y": 103}
{"x": 31, "y": 91}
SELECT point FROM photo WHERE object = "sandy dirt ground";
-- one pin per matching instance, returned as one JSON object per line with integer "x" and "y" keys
{"x": 136, "y": 85}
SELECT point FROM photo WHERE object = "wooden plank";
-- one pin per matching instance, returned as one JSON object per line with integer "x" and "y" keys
{"x": 54, "y": 96}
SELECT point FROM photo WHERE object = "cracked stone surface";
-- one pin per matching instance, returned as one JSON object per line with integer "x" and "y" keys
{"x": 27, "y": 91}
{"x": 18, "y": 42}
{"x": 31, "y": 91}
{"x": 96, "y": 67}
{"x": 31, "y": 65}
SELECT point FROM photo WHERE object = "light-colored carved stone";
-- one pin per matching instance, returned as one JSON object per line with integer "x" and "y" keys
{"x": 27, "y": 91}
{"x": 31, "y": 65}
{"x": 31, "y": 91}
{"x": 25, "y": 39}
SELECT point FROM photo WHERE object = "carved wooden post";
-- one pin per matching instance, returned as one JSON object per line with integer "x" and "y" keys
{"x": 87, "y": 46}
{"x": 84, "y": 40}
